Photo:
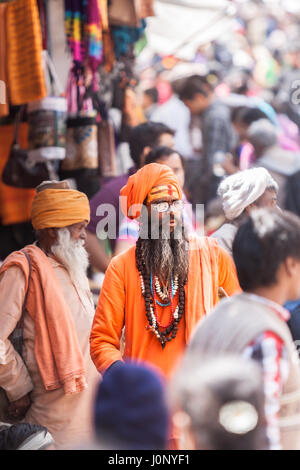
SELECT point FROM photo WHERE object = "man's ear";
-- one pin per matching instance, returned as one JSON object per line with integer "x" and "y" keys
{"x": 52, "y": 234}
{"x": 144, "y": 155}
{"x": 250, "y": 208}
{"x": 290, "y": 265}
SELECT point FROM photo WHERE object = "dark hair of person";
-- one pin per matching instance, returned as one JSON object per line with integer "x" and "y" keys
{"x": 146, "y": 135}
{"x": 152, "y": 93}
{"x": 248, "y": 115}
{"x": 193, "y": 86}
{"x": 161, "y": 153}
{"x": 11, "y": 437}
{"x": 262, "y": 243}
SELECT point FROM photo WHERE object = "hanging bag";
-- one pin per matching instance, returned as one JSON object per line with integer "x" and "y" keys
{"x": 47, "y": 120}
{"x": 19, "y": 171}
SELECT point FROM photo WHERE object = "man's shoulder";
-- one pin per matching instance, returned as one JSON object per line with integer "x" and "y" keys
{"x": 124, "y": 260}
{"x": 198, "y": 244}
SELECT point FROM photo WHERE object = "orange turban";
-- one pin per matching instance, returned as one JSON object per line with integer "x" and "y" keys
{"x": 57, "y": 208}
{"x": 140, "y": 184}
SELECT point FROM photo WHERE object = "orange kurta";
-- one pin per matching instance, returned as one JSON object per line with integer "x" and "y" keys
{"x": 121, "y": 303}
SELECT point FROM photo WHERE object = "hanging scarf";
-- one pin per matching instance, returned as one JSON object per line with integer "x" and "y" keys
{"x": 84, "y": 32}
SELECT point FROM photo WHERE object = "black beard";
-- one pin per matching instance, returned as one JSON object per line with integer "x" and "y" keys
{"x": 166, "y": 257}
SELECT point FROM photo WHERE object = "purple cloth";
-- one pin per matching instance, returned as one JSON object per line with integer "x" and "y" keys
{"x": 108, "y": 194}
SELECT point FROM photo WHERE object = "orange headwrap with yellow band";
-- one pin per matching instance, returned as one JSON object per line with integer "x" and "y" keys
{"x": 57, "y": 208}
{"x": 153, "y": 181}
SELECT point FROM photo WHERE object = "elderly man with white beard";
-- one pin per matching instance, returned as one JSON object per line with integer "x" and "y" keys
{"x": 45, "y": 302}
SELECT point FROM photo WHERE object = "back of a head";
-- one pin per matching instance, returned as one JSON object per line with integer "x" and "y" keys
{"x": 160, "y": 153}
{"x": 146, "y": 135}
{"x": 130, "y": 409}
{"x": 262, "y": 243}
{"x": 224, "y": 400}
{"x": 153, "y": 94}
{"x": 262, "y": 133}
{"x": 248, "y": 115}
{"x": 194, "y": 85}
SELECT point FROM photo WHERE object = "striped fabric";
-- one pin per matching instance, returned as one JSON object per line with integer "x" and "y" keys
{"x": 24, "y": 59}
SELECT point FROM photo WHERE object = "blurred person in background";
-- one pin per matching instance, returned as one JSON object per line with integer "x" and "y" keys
{"x": 218, "y": 404}
{"x": 266, "y": 252}
{"x": 240, "y": 194}
{"x": 176, "y": 115}
{"x": 217, "y": 137}
{"x": 142, "y": 139}
{"x": 279, "y": 162}
{"x": 150, "y": 102}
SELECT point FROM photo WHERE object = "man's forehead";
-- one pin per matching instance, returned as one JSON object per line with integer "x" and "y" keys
{"x": 164, "y": 199}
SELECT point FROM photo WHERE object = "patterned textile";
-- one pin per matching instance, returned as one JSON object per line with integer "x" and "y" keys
{"x": 24, "y": 54}
{"x": 125, "y": 36}
{"x": 84, "y": 31}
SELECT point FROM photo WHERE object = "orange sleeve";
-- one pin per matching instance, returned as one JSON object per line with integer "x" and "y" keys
{"x": 109, "y": 320}
{"x": 227, "y": 273}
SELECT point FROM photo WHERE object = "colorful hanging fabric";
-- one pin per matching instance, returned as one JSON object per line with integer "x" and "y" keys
{"x": 125, "y": 36}
{"x": 93, "y": 32}
{"x": 75, "y": 18}
{"x": 84, "y": 32}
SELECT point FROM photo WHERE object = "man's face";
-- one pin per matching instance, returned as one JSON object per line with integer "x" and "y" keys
{"x": 268, "y": 199}
{"x": 174, "y": 162}
{"x": 78, "y": 231}
{"x": 168, "y": 219}
{"x": 241, "y": 129}
{"x": 166, "y": 140}
{"x": 197, "y": 104}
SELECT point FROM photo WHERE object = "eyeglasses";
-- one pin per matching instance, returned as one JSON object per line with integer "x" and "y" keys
{"x": 168, "y": 206}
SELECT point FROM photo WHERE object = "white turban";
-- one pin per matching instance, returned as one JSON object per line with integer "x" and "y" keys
{"x": 240, "y": 190}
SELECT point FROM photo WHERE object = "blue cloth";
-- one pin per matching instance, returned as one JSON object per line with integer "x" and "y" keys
{"x": 292, "y": 305}
{"x": 130, "y": 408}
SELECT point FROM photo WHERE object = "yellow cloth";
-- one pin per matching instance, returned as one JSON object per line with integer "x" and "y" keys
{"x": 161, "y": 192}
{"x": 56, "y": 208}
{"x": 140, "y": 184}
{"x": 24, "y": 55}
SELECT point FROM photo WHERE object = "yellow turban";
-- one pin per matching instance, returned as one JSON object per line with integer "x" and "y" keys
{"x": 57, "y": 208}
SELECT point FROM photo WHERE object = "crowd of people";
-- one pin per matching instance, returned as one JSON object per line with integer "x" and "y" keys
{"x": 192, "y": 341}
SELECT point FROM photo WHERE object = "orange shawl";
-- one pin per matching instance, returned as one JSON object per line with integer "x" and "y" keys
{"x": 57, "y": 351}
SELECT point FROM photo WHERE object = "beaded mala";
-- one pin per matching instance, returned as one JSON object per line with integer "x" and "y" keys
{"x": 150, "y": 289}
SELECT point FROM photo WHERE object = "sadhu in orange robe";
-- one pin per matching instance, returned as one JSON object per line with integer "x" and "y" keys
{"x": 121, "y": 303}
